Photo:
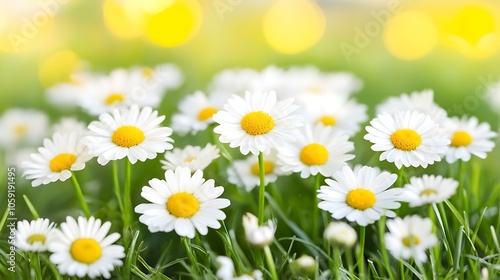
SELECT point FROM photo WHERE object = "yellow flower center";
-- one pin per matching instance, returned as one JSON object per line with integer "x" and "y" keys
{"x": 114, "y": 98}
{"x": 410, "y": 240}
{"x": 128, "y": 136}
{"x": 328, "y": 120}
{"x": 36, "y": 237}
{"x": 20, "y": 129}
{"x": 148, "y": 73}
{"x": 361, "y": 199}
{"x": 62, "y": 162}
{"x": 85, "y": 250}
{"x": 268, "y": 168}
{"x": 314, "y": 154}
{"x": 461, "y": 139}
{"x": 189, "y": 159}
{"x": 427, "y": 192}
{"x": 206, "y": 113}
{"x": 406, "y": 139}
{"x": 257, "y": 123}
{"x": 183, "y": 205}
{"x": 315, "y": 89}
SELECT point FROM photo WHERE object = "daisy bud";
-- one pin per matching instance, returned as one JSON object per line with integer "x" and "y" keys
{"x": 259, "y": 236}
{"x": 341, "y": 234}
{"x": 304, "y": 266}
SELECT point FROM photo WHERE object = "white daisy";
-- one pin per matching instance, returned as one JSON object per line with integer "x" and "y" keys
{"x": 428, "y": 189}
{"x": 120, "y": 89}
{"x": 226, "y": 271}
{"x": 318, "y": 149}
{"x": 246, "y": 173}
{"x": 422, "y": 102}
{"x": 361, "y": 197}
{"x": 468, "y": 136}
{"x": 340, "y": 234}
{"x": 259, "y": 236}
{"x": 192, "y": 157}
{"x": 407, "y": 138}
{"x": 182, "y": 202}
{"x": 336, "y": 111}
{"x": 81, "y": 248}
{"x": 133, "y": 133}
{"x": 22, "y": 127}
{"x": 160, "y": 78}
{"x": 195, "y": 115}
{"x": 410, "y": 237}
{"x": 256, "y": 123}
{"x": 236, "y": 81}
{"x": 67, "y": 95}
{"x": 56, "y": 160}
{"x": 32, "y": 236}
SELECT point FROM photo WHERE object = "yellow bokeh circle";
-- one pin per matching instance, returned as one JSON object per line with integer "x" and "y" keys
{"x": 176, "y": 24}
{"x": 293, "y": 26}
{"x": 410, "y": 35}
{"x": 58, "y": 68}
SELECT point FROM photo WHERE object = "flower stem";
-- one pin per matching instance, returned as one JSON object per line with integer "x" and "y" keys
{"x": 315, "y": 215}
{"x": 361, "y": 256}
{"x": 262, "y": 189}
{"x": 401, "y": 174}
{"x": 270, "y": 263}
{"x": 192, "y": 258}
{"x": 80, "y": 196}
{"x": 127, "y": 197}
{"x": 116, "y": 185}
{"x": 35, "y": 261}
{"x": 385, "y": 256}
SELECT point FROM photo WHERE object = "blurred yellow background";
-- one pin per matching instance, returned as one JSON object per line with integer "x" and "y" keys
{"x": 394, "y": 46}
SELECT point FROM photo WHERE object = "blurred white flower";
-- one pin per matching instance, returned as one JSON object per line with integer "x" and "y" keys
{"x": 259, "y": 236}
{"x": 340, "y": 234}
{"x": 226, "y": 271}
{"x": 22, "y": 127}
{"x": 428, "y": 189}
{"x": 32, "y": 236}
{"x": 192, "y": 157}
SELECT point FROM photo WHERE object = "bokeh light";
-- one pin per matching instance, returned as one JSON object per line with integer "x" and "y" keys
{"x": 59, "y": 67}
{"x": 473, "y": 32}
{"x": 410, "y": 35}
{"x": 293, "y": 26}
{"x": 176, "y": 24}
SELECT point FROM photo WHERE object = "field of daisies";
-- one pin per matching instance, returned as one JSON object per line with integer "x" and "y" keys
{"x": 277, "y": 173}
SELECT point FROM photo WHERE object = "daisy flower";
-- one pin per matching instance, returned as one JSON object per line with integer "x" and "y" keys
{"x": 340, "y": 234}
{"x": 245, "y": 173}
{"x": 422, "y": 102}
{"x": 361, "y": 197}
{"x": 259, "y": 236}
{"x": 81, "y": 248}
{"x": 68, "y": 125}
{"x": 133, "y": 133}
{"x": 428, "y": 189}
{"x": 68, "y": 94}
{"x": 182, "y": 202}
{"x": 337, "y": 112}
{"x": 468, "y": 136}
{"x": 256, "y": 123}
{"x": 226, "y": 271}
{"x": 32, "y": 236}
{"x": 407, "y": 138}
{"x": 410, "y": 237}
{"x": 318, "y": 149}
{"x": 56, "y": 160}
{"x": 195, "y": 115}
{"x": 22, "y": 126}
{"x": 192, "y": 157}
{"x": 158, "y": 79}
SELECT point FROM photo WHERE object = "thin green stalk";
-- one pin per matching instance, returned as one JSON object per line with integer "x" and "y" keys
{"x": 31, "y": 208}
{"x": 350, "y": 262}
{"x": 262, "y": 189}
{"x": 461, "y": 182}
{"x": 432, "y": 216}
{"x": 127, "y": 197}
{"x": 385, "y": 256}
{"x": 361, "y": 256}
{"x": 189, "y": 251}
{"x": 35, "y": 261}
{"x": 270, "y": 263}
{"x": 399, "y": 182}
{"x": 80, "y": 196}
{"x": 337, "y": 262}
{"x": 116, "y": 184}
{"x": 316, "y": 216}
